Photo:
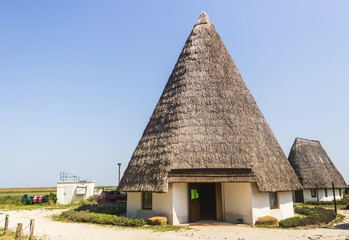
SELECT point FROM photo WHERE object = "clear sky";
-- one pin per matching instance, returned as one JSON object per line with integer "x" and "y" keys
{"x": 79, "y": 79}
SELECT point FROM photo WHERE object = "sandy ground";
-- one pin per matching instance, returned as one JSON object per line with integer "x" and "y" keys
{"x": 48, "y": 229}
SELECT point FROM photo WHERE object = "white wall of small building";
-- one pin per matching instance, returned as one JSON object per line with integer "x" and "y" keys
{"x": 239, "y": 201}
{"x": 322, "y": 196}
{"x": 244, "y": 201}
{"x": 180, "y": 203}
{"x": 67, "y": 191}
{"x": 173, "y": 204}
{"x": 261, "y": 208}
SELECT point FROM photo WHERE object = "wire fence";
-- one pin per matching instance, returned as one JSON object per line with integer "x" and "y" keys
{"x": 14, "y": 229}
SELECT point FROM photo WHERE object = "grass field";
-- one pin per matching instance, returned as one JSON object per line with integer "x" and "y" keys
{"x": 13, "y": 195}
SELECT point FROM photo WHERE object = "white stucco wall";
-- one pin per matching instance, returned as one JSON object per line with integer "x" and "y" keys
{"x": 322, "y": 197}
{"x": 134, "y": 204}
{"x": 173, "y": 204}
{"x": 261, "y": 208}
{"x": 180, "y": 203}
{"x": 162, "y": 204}
{"x": 66, "y": 191}
{"x": 237, "y": 202}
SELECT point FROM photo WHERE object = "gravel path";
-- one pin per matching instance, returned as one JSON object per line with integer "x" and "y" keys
{"x": 48, "y": 229}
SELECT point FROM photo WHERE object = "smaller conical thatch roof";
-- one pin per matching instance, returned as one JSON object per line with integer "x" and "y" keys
{"x": 313, "y": 166}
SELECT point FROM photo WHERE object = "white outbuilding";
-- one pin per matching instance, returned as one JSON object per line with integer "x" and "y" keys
{"x": 71, "y": 189}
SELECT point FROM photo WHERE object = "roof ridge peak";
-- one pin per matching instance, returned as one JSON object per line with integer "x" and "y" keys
{"x": 203, "y": 19}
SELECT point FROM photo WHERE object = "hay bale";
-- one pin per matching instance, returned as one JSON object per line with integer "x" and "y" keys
{"x": 157, "y": 220}
{"x": 266, "y": 220}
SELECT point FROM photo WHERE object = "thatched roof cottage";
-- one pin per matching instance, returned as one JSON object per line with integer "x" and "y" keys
{"x": 207, "y": 152}
{"x": 316, "y": 172}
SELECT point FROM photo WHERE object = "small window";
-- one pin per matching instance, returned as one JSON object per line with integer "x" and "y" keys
{"x": 147, "y": 200}
{"x": 314, "y": 158}
{"x": 321, "y": 159}
{"x": 273, "y": 200}
{"x": 326, "y": 194}
{"x": 340, "y": 192}
{"x": 313, "y": 192}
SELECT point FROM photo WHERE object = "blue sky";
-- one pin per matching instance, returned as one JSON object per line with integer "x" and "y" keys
{"x": 79, "y": 79}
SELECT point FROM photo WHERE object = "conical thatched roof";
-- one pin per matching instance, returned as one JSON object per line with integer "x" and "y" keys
{"x": 207, "y": 119}
{"x": 313, "y": 166}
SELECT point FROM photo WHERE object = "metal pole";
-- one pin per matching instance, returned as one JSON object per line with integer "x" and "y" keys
{"x": 334, "y": 198}
{"x": 119, "y": 164}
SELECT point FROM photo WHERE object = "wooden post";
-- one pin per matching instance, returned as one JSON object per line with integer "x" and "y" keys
{"x": 6, "y": 224}
{"x": 31, "y": 229}
{"x": 334, "y": 198}
{"x": 19, "y": 231}
{"x": 317, "y": 193}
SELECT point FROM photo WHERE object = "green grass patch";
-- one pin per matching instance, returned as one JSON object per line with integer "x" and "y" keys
{"x": 99, "y": 218}
{"x": 314, "y": 216}
{"x": 93, "y": 213}
{"x": 10, "y": 235}
{"x": 165, "y": 228}
{"x": 118, "y": 208}
{"x": 338, "y": 220}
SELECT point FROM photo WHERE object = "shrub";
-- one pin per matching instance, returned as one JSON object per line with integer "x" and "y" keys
{"x": 291, "y": 222}
{"x": 106, "y": 208}
{"x": 343, "y": 201}
{"x": 315, "y": 216}
{"x": 85, "y": 216}
{"x": 157, "y": 221}
{"x": 266, "y": 220}
{"x": 53, "y": 198}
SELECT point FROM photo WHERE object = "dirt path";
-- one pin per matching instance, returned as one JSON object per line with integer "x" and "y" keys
{"x": 48, "y": 229}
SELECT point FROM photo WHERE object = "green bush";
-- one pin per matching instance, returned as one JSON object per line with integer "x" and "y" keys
{"x": 315, "y": 216}
{"x": 292, "y": 222}
{"x": 344, "y": 201}
{"x": 85, "y": 216}
{"x": 118, "y": 208}
{"x": 266, "y": 220}
{"x": 53, "y": 198}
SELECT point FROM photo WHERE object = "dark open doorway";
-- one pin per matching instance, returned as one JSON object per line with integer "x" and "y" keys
{"x": 205, "y": 201}
{"x": 299, "y": 198}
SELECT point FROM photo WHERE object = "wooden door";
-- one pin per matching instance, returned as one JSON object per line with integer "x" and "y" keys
{"x": 194, "y": 202}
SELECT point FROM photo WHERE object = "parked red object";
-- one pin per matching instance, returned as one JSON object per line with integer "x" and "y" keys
{"x": 112, "y": 196}
{"x": 35, "y": 199}
{"x": 40, "y": 199}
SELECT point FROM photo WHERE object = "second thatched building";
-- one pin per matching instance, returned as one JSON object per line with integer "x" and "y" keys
{"x": 316, "y": 172}
{"x": 207, "y": 152}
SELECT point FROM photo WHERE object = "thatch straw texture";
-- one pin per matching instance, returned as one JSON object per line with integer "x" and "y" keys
{"x": 313, "y": 166}
{"x": 206, "y": 118}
